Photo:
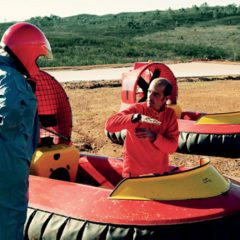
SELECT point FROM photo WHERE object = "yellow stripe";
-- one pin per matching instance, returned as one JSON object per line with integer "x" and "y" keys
{"x": 224, "y": 118}
{"x": 201, "y": 182}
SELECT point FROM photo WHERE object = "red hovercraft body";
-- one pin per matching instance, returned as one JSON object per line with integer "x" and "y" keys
{"x": 200, "y": 133}
{"x": 77, "y": 196}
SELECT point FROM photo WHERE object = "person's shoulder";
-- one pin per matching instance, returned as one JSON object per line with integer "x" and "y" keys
{"x": 169, "y": 111}
{"x": 11, "y": 72}
{"x": 10, "y": 76}
{"x": 16, "y": 79}
{"x": 141, "y": 106}
{"x": 136, "y": 108}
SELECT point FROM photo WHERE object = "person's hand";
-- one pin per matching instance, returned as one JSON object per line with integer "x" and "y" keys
{"x": 145, "y": 133}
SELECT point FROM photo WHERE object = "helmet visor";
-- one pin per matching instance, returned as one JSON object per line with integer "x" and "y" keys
{"x": 46, "y": 52}
{"x": 49, "y": 55}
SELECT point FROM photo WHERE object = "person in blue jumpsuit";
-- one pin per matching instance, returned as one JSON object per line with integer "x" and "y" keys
{"x": 21, "y": 44}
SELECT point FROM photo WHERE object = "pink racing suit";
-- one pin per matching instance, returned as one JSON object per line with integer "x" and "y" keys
{"x": 141, "y": 156}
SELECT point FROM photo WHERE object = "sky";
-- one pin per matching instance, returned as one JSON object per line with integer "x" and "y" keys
{"x": 20, "y": 10}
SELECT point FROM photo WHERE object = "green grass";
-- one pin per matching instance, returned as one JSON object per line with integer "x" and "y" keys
{"x": 199, "y": 32}
{"x": 212, "y": 42}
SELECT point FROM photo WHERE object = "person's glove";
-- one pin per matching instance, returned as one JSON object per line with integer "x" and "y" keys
{"x": 137, "y": 117}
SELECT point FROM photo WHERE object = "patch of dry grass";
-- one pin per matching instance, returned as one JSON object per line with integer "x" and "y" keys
{"x": 210, "y": 96}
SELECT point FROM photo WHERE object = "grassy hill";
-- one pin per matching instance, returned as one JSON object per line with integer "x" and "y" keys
{"x": 199, "y": 32}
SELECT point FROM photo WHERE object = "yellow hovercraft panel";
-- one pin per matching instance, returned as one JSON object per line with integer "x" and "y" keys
{"x": 57, "y": 161}
{"x": 197, "y": 183}
{"x": 220, "y": 118}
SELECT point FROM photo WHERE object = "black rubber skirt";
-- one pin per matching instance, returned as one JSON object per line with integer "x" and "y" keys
{"x": 219, "y": 145}
{"x": 45, "y": 225}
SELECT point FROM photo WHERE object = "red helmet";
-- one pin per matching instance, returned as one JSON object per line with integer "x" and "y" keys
{"x": 25, "y": 43}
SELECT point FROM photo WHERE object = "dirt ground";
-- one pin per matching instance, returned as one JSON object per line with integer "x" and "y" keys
{"x": 93, "y": 102}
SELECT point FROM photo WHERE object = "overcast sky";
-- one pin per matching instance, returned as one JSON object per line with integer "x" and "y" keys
{"x": 19, "y": 10}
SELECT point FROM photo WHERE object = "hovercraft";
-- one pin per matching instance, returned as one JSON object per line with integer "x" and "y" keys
{"x": 215, "y": 134}
{"x": 197, "y": 203}
{"x": 73, "y": 196}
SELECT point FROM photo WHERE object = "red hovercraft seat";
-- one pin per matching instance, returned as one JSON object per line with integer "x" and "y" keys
{"x": 204, "y": 139}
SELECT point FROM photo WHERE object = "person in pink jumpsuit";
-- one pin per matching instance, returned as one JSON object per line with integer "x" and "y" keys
{"x": 152, "y": 132}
